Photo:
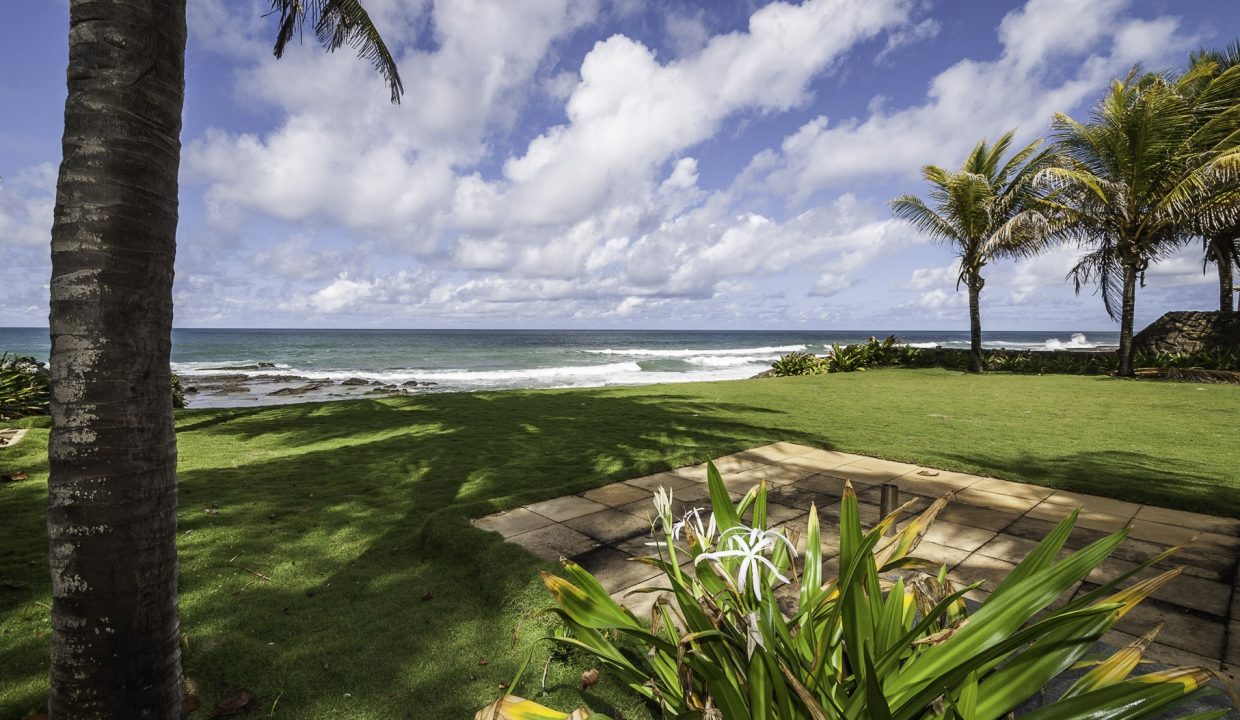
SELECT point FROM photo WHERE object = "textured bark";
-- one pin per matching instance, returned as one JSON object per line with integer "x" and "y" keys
{"x": 1127, "y": 311}
{"x": 976, "y": 363}
{"x": 112, "y": 490}
{"x": 1225, "y": 288}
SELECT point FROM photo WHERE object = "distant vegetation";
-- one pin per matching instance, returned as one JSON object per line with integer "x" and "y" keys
{"x": 890, "y": 353}
{"x": 1155, "y": 167}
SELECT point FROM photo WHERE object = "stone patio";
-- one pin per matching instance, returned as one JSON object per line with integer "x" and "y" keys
{"x": 989, "y": 527}
{"x": 10, "y": 437}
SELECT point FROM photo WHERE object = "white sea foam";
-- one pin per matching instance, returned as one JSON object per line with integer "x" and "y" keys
{"x": 1078, "y": 341}
{"x": 647, "y": 352}
{"x": 722, "y": 361}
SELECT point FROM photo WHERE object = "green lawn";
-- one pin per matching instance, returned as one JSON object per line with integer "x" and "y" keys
{"x": 355, "y": 509}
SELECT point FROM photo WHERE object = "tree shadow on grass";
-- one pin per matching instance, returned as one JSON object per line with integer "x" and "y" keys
{"x": 1124, "y": 474}
{"x": 327, "y": 558}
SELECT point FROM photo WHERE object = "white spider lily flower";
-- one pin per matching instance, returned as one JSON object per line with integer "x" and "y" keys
{"x": 750, "y": 545}
{"x": 704, "y": 533}
{"x": 663, "y": 506}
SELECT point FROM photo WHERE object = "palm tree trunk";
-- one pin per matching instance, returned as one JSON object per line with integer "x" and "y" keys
{"x": 1225, "y": 287}
{"x": 976, "y": 364}
{"x": 1127, "y": 311}
{"x": 112, "y": 491}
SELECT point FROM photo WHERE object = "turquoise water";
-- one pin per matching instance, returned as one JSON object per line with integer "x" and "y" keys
{"x": 495, "y": 359}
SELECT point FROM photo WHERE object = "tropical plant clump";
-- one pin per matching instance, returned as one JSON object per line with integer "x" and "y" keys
{"x": 24, "y": 387}
{"x": 798, "y": 363}
{"x": 754, "y": 628}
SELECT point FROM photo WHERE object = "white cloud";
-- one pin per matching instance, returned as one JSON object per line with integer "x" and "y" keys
{"x": 973, "y": 99}
{"x": 341, "y": 293}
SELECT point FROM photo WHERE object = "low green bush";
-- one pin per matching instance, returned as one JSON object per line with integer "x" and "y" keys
{"x": 757, "y": 630}
{"x": 798, "y": 363}
{"x": 24, "y": 387}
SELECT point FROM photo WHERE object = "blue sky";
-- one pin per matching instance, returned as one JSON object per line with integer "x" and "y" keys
{"x": 602, "y": 163}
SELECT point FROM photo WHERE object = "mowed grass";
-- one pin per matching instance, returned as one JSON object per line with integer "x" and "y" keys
{"x": 354, "y": 512}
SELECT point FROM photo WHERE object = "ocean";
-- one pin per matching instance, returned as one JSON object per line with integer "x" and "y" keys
{"x": 256, "y": 367}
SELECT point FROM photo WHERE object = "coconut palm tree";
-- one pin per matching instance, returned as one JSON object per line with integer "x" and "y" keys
{"x": 1136, "y": 181}
{"x": 984, "y": 210}
{"x": 1221, "y": 243}
{"x": 112, "y": 490}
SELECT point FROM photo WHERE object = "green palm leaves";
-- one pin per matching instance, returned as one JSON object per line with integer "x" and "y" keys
{"x": 1157, "y": 162}
{"x": 879, "y": 641}
{"x": 338, "y": 23}
{"x": 984, "y": 210}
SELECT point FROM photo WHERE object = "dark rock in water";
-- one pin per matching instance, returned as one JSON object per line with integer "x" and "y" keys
{"x": 427, "y": 383}
{"x": 255, "y": 366}
{"x": 410, "y": 383}
{"x": 299, "y": 390}
{"x": 1191, "y": 332}
{"x": 228, "y": 379}
{"x": 190, "y": 390}
{"x": 284, "y": 379}
{"x": 355, "y": 381}
{"x": 230, "y": 389}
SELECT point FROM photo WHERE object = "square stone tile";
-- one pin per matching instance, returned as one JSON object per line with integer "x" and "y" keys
{"x": 937, "y": 485}
{"x": 1007, "y": 487}
{"x": 1093, "y": 503}
{"x": 615, "y": 494}
{"x": 1186, "y": 591}
{"x": 1036, "y": 529}
{"x": 1085, "y": 519}
{"x": 670, "y": 480}
{"x": 512, "y": 522}
{"x": 554, "y": 541}
{"x": 961, "y": 537}
{"x": 775, "y": 452}
{"x": 993, "y": 500}
{"x": 610, "y": 526}
{"x": 796, "y": 495}
{"x": 565, "y": 507}
{"x": 828, "y": 485}
{"x": 1182, "y": 629}
{"x": 729, "y": 464}
{"x": 818, "y": 460}
{"x": 778, "y": 514}
{"x": 862, "y": 474}
{"x": 1183, "y": 518}
{"x": 978, "y": 517}
{"x": 615, "y": 570}
{"x": 939, "y": 555}
{"x": 776, "y": 475}
{"x": 639, "y": 601}
{"x": 1232, "y": 658}
{"x": 1162, "y": 534}
{"x": 1011, "y": 548}
{"x": 896, "y": 469}
{"x": 991, "y": 571}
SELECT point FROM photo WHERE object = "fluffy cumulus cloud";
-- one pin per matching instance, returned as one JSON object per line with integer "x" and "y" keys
{"x": 1055, "y": 55}
{"x": 589, "y": 162}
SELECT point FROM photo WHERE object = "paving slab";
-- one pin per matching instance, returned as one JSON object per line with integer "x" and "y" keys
{"x": 566, "y": 507}
{"x": 989, "y": 527}
{"x": 670, "y": 480}
{"x": 609, "y": 526}
{"x": 554, "y": 542}
{"x": 1183, "y": 518}
{"x": 10, "y": 437}
{"x": 513, "y": 522}
{"x": 616, "y": 494}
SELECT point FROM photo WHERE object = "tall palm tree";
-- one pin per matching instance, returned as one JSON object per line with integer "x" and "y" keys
{"x": 112, "y": 490}
{"x": 984, "y": 210}
{"x": 1221, "y": 243}
{"x": 1136, "y": 180}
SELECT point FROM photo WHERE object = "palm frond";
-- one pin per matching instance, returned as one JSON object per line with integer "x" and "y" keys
{"x": 338, "y": 23}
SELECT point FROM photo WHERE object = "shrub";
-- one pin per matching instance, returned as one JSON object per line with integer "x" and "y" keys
{"x": 798, "y": 363}
{"x": 849, "y": 358}
{"x": 750, "y": 633}
{"x": 24, "y": 387}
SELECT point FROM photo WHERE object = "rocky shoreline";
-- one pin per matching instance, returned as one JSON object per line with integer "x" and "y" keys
{"x": 232, "y": 389}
